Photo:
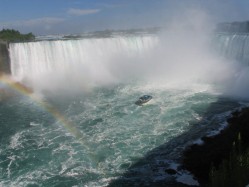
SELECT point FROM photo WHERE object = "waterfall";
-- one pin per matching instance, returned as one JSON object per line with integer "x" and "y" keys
{"x": 233, "y": 46}
{"x": 89, "y": 62}
{"x": 92, "y": 60}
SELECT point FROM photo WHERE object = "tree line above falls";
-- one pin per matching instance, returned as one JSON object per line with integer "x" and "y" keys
{"x": 10, "y": 35}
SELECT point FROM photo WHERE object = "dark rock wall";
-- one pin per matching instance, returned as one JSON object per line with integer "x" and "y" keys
{"x": 4, "y": 58}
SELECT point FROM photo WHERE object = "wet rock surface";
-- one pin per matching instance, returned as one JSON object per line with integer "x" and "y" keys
{"x": 198, "y": 159}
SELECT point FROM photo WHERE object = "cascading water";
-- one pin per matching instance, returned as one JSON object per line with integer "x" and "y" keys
{"x": 76, "y": 62}
{"x": 233, "y": 46}
{"x": 113, "y": 141}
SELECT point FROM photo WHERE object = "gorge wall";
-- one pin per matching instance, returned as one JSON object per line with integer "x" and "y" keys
{"x": 4, "y": 58}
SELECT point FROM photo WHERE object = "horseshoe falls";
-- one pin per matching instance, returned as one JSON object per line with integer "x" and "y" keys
{"x": 80, "y": 62}
{"x": 81, "y": 126}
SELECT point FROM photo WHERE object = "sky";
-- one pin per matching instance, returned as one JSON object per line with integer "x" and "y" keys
{"x": 45, "y": 17}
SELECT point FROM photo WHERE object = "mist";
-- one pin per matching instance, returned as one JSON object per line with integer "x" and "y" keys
{"x": 181, "y": 54}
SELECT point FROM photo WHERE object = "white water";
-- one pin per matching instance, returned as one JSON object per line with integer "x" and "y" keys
{"x": 78, "y": 63}
{"x": 176, "y": 58}
{"x": 235, "y": 48}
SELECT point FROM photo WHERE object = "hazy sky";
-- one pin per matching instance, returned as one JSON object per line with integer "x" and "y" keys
{"x": 76, "y": 16}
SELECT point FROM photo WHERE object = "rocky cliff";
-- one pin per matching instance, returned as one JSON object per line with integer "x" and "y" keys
{"x": 4, "y": 58}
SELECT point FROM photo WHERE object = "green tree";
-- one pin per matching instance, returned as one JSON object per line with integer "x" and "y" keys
{"x": 233, "y": 171}
{"x": 11, "y": 35}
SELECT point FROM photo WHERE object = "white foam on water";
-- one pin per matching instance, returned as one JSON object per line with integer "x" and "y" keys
{"x": 34, "y": 124}
{"x": 188, "y": 179}
{"x": 15, "y": 141}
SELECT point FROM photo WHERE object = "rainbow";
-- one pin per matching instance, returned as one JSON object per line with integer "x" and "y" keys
{"x": 24, "y": 90}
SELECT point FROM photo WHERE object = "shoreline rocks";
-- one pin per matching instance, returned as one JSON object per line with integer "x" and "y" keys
{"x": 199, "y": 159}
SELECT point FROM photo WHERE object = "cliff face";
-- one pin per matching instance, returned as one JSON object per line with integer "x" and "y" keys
{"x": 4, "y": 58}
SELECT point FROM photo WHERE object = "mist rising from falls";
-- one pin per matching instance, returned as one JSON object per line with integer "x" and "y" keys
{"x": 235, "y": 48}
